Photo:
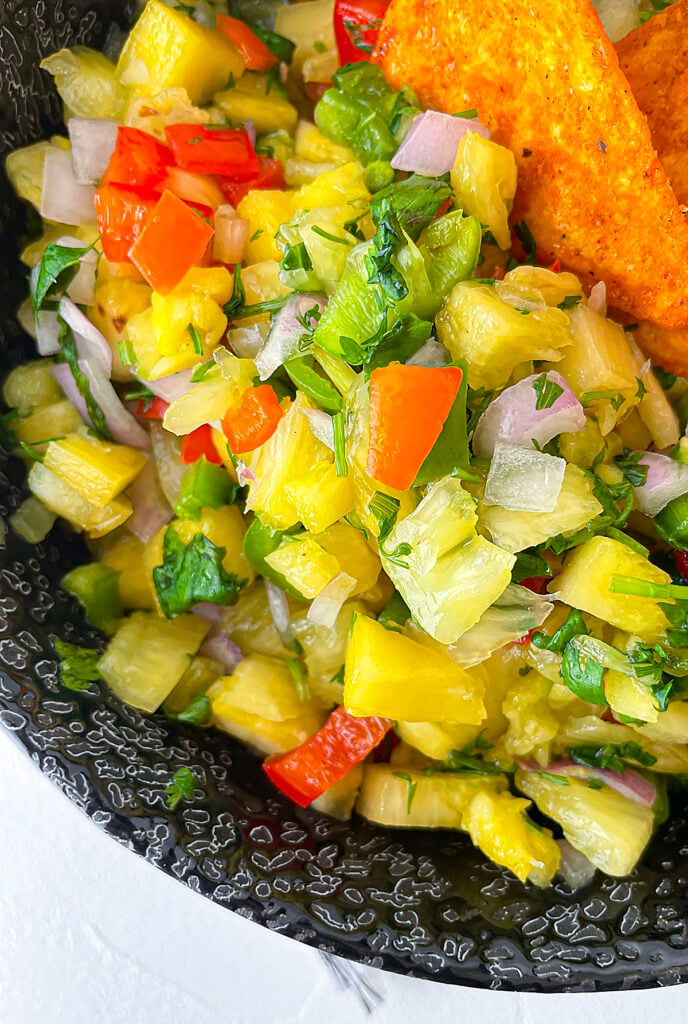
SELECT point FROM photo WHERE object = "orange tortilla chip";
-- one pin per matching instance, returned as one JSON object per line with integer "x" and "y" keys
{"x": 546, "y": 81}
{"x": 654, "y": 59}
{"x": 668, "y": 349}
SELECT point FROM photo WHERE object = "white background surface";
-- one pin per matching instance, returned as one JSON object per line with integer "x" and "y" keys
{"x": 91, "y": 934}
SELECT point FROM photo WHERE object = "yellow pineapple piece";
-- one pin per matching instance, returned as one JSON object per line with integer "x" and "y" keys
{"x": 497, "y": 824}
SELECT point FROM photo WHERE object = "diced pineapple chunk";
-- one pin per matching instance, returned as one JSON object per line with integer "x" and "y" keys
{"x": 200, "y": 674}
{"x": 68, "y": 503}
{"x": 390, "y": 675}
{"x": 48, "y": 421}
{"x": 265, "y": 210}
{"x": 116, "y": 301}
{"x": 310, "y": 28}
{"x": 253, "y": 98}
{"x": 531, "y": 723}
{"x": 497, "y": 824}
{"x": 250, "y": 623}
{"x": 353, "y": 553}
{"x": 289, "y": 454}
{"x": 261, "y": 686}
{"x": 148, "y": 656}
{"x": 204, "y": 402}
{"x": 611, "y": 830}
{"x": 484, "y": 182}
{"x": 494, "y": 337}
{"x": 599, "y": 359}
{"x": 670, "y": 726}
{"x": 671, "y": 757}
{"x": 437, "y": 739}
{"x": 448, "y": 576}
{"x": 174, "y": 312}
{"x": 166, "y": 48}
{"x": 270, "y": 737}
{"x": 311, "y": 144}
{"x": 31, "y": 386}
{"x": 627, "y": 696}
{"x": 304, "y": 564}
{"x": 324, "y": 649}
{"x": 97, "y": 470}
{"x": 327, "y": 256}
{"x": 338, "y": 801}
{"x": 321, "y": 496}
{"x": 135, "y": 582}
{"x": 584, "y": 583}
{"x": 86, "y": 81}
{"x": 150, "y": 365}
{"x": 410, "y": 799}
{"x": 554, "y": 287}
{"x": 514, "y": 531}
{"x": 344, "y": 184}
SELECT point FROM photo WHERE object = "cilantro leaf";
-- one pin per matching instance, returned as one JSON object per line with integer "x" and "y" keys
{"x": 396, "y": 343}
{"x": 387, "y": 242}
{"x": 57, "y": 269}
{"x": 633, "y": 470}
{"x": 525, "y": 237}
{"x": 67, "y": 344}
{"x": 78, "y": 665}
{"x": 583, "y": 676}
{"x": 414, "y": 202}
{"x": 574, "y": 626}
{"x": 193, "y": 573}
{"x": 458, "y": 761}
{"x": 181, "y": 787}
{"x": 197, "y": 712}
{"x": 282, "y": 47}
{"x": 611, "y": 756}
{"x": 384, "y": 509}
{"x": 547, "y": 391}
{"x": 529, "y": 564}
{"x": 411, "y": 786}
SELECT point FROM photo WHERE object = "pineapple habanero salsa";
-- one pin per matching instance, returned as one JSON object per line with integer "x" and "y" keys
{"x": 363, "y": 465}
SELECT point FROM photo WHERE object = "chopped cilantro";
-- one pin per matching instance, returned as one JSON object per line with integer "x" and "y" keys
{"x": 57, "y": 269}
{"x": 193, "y": 573}
{"x": 181, "y": 787}
{"x": 78, "y": 665}
{"x": 547, "y": 391}
{"x": 411, "y": 786}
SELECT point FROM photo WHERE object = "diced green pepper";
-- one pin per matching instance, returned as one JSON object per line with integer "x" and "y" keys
{"x": 96, "y": 588}
{"x": 204, "y": 486}
{"x": 259, "y": 542}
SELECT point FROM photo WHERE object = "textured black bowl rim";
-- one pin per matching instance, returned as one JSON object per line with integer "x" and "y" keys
{"x": 420, "y": 904}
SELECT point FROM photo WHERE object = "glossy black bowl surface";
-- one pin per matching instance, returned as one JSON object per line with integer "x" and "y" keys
{"x": 423, "y": 904}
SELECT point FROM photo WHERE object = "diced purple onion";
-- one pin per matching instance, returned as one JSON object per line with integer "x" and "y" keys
{"x": 246, "y": 342}
{"x": 166, "y": 452}
{"x": 90, "y": 343}
{"x": 123, "y": 427}
{"x": 432, "y": 141}
{"x": 170, "y": 388}
{"x": 223, "y": 649}
{"x": 574, "y": 868}
{"x": 47, "y": 332}
{"x": 250, "y": 129}
{"x": 327, "y": 605}
{"x": 321, "y": 426}
{"x": 93, "y": 140}
{"x": 666, "y": 479}
{"x": 631, "y": 784}
{"x": 432, "y": 353}
{"x": 513, "y": 417}
{"x": 245, "y": 474}
{"x": 279, "y": 610}
{"x": 65, "y": 378}
{"x": 63, "y": 198}
{"x": 151, "y": 510}
{"x": 82, "y": 287}
{"x": 286, "y": 331}
{"x": 597, "y": 299}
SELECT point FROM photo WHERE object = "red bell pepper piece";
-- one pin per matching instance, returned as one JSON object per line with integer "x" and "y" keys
{"x": 538, "y": 584}
{"x": 249, "y": 425}
{"x": 356, "y": 27}
{"x": 522, "y": 641}
{"x": 226, "y": 151}
{"x": 173, "y": 239}
{"x": 681, "y": 562}
{"x": 138, "y": 160}
{"x": 254, "y": 52}
{"x": 270, "y": 175}
{"x": 152, "y": 408}
{"x": 199, "y": 442}
{"x": 305, "y": 772}
{"x": 408, "y": 407}
{"x": 120, "y": 215}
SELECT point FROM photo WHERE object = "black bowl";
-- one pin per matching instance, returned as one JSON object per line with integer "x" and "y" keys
{"x": 423, "y": 904}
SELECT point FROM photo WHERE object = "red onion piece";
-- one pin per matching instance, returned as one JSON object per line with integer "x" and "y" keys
{"x": 321, "y": 426}
{"x": 514, "y": 418}
{"x": 631, "y": 784}
{"x": 172, "y": 387}
{"x": 432, "y": 141}
{"x": 597, "y": 299}
{"x": 432, "y": 353}
{"x": 574, "y": 868}
{"x": 151, "y": 511}
{"x": 250, "y": 129}
{"x": 666, "y": 479}
{"x": 47, "y": 333}
{"x": 65, "y": 378}
{"x": 327, "y": 605}
{"x": 285, "y": 332}
{"x": 63, "y": 199}
{"x": 245, "y": 474}
{"x": 90, "y": 343}
{"x": 230, "y": 238}
{"x": 223, "y": 649}
{"x": 82, "y": 287}
{"x": 120, "y": 422}
{"x": 279, "y": 609}
{"x": 246, "y": 342}
{"x": 209, "y": 612}
{"x": 93, "y": 140}
{"x": 166, "y": 452}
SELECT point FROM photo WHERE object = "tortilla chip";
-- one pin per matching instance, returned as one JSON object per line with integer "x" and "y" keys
{"x": 654, "y": 59}
{"x": 668, "y": 349}
{"x": 546, "y": 82}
